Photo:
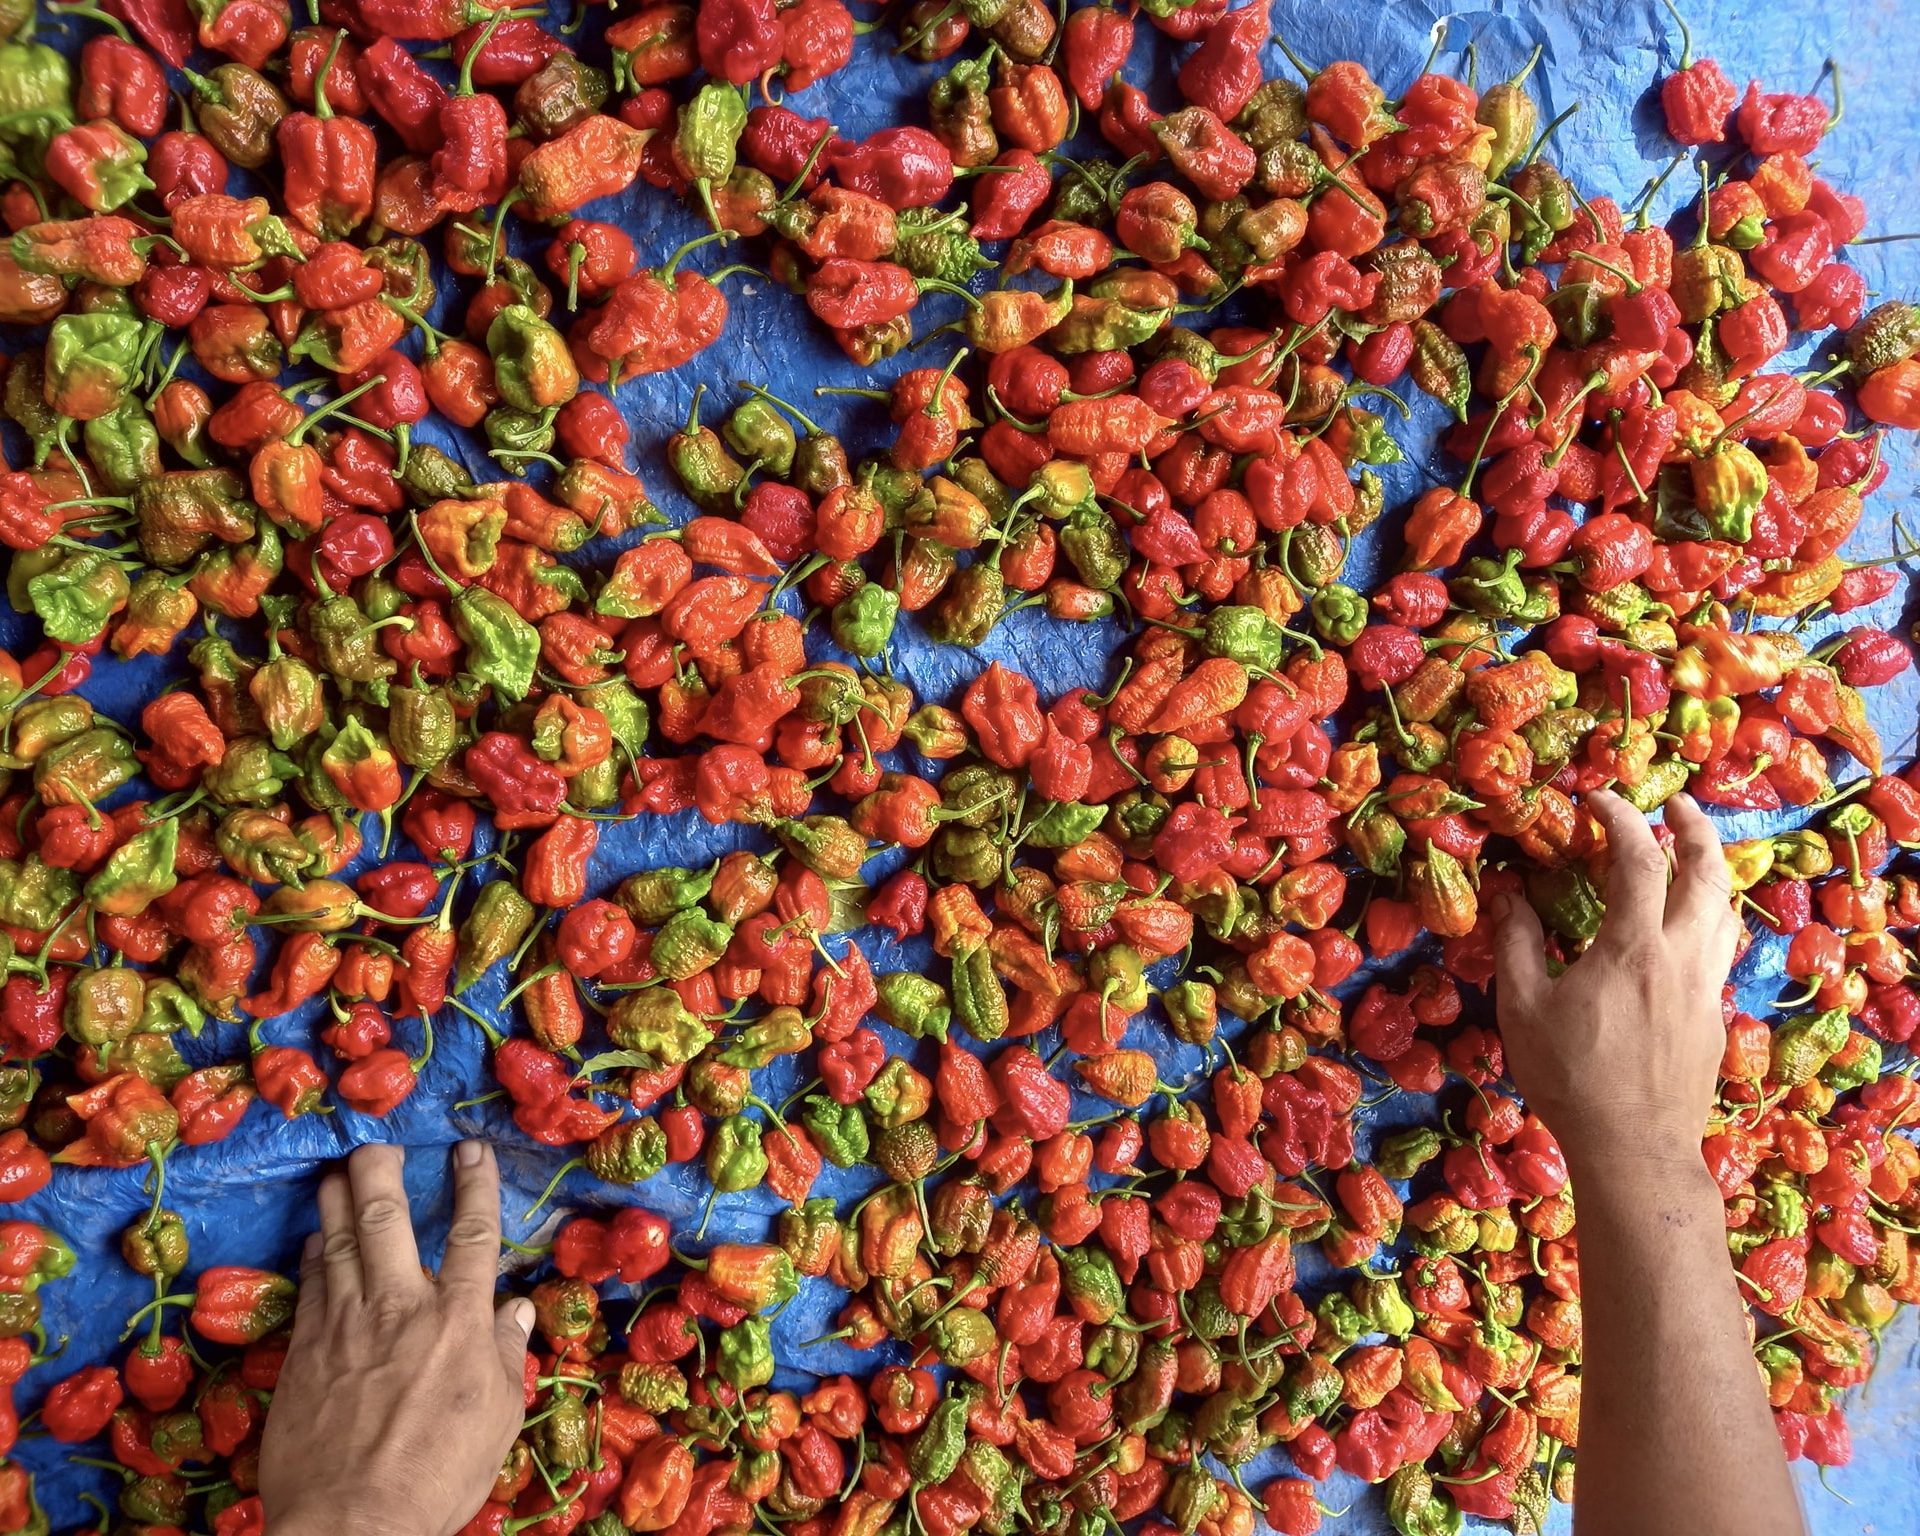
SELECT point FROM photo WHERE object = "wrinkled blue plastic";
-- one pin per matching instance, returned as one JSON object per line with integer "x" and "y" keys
{"x": 249, "y": 1199}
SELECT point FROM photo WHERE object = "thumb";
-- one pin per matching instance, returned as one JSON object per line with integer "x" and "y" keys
{"x": 512, "y": 1327}
{"x": 1518, "y": 952}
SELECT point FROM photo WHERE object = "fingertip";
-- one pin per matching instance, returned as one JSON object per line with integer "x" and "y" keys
{"x": 520, "y": 1315}
{"x": 375, "y": 1155}
{"x": 470, "y": 1154}
{"x": 1683, "y": 807}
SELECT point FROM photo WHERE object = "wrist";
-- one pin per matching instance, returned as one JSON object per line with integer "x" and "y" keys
{"x": 306, "y": 1520}
{"x": 1651, "y": 1175}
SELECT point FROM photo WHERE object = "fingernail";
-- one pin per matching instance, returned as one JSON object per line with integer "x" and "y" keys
{"x": 1499, "y": 905}
{"x": 467, "y": 1154}
{"x": 523, "y": 1314}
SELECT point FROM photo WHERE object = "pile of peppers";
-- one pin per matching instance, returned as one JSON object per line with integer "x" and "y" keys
{"x": 409, "y": 697}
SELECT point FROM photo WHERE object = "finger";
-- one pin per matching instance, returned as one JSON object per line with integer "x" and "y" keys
{"x": 389, "y": 1258}
{"x": 311, "y": 1305}
{"x": 1702, "y": 885}
{"x": 472, "y": 1261}
{"x": 512, "y": 1327}
{"x": 1636, "y": 871}
{"x": 1519, "y": 954}
{"x": 339, "y": 1243}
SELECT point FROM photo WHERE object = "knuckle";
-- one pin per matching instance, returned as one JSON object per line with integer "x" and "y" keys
{"x": 381, "y": 1215}
{"x": 340, "y": 1246}
{"x": 1643, "y": 859}
{"x": 1644, "y": 962}
{"x": 471, "y": 1231}
{"x": 388, "y": 1310}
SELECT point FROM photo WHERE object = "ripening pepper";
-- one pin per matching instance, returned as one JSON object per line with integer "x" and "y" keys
{"x": 90, "y": 360}
{"x": 492, "y": 931}
{"x": 532, "y": 364}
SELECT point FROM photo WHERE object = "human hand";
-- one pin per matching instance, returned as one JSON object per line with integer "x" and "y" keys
{"x": 1619, "y": 1054}
{"x": 401, "y": 1394}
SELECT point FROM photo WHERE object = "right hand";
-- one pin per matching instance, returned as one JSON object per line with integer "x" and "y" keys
{"x": 401, "y": 1394}
{"x": 1620, "y": 1053}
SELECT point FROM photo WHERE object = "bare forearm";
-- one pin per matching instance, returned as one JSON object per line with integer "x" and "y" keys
{"x": 1674, "y": 1428}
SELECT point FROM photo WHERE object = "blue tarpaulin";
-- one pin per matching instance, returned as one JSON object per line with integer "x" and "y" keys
{"x": 248, "y": 1200}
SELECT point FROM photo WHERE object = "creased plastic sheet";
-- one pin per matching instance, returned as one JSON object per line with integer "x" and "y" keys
{"x": 249, "y": 1199}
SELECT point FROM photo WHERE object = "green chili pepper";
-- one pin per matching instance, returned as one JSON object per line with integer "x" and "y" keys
{"x": 839, "y": 1129}
{"x": 1191, "y": 1496}
{"x": 707, "y": 472}
{"x": 862, "y": 621}
{"x": 780, "y": 1032}
{"x": 935, "y": 1451}
{"x": 913, "y": 1004}
{"x": 688, "y": 943}
{"x": 757, "y": 430}
{"x": 432, "y": 476}
{"x": 103, "y": 1004}
{"x": 1659, "y": 784}
{"x": 1567, "y": 901}
{"x": 736, "y": 1160}
{"x": 137, "y": 873}
{"x": 1063, "y": 824}
{"x": 1092, "y": 541}
{"x": 492, "y": 931}
{"x": 76, "y": 595}
{"x": 979, "y": 1000}
{"x": 708, "y": 137}
{"x": 1382, "y": 1301}
{"x": 1405, "y": 1153}
{"x": 746, "y": 1349}
{"x": 1495, "y": 589}
{"x": 262, "y": 847}
{"x": 1339, "y": 614}
{"x": 532, "y": 364}
{"x": 655, "y": 1021}
{"x": 654, "y": 895}
{"x": 630, "y": 1153}
{"x": 90, "y": 362}
{"x": 124, "y": 448}
{"x": 166, "y": 1009}
{"x": 178, "y": 513}
{"x": 87, "y": 768}
{"x": 503, "y": 649}
{"x": 1090, "y": 1282}
{"x": 422, "y": 725}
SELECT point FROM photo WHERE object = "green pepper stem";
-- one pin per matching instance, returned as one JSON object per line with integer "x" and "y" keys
{"x": 333, "y": 406}
{"x": 1546, "y": 135}
{"x": 464, "y": 85}
{"x": 553, "y": 1184}
{"x": 494, "y": 1037}
{"x": 67, "y": 9}
{"x": 807, "y": 165}
{"x": 1686, "y": 34}
{"x": 673, "y": 261}
{"x": 1643, "y": 214}
{"x": 426, "y": 1055}
{"x": 761, "y": 391}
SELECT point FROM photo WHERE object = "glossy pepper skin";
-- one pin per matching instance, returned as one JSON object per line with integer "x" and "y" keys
{"x": 391, "y": 642}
